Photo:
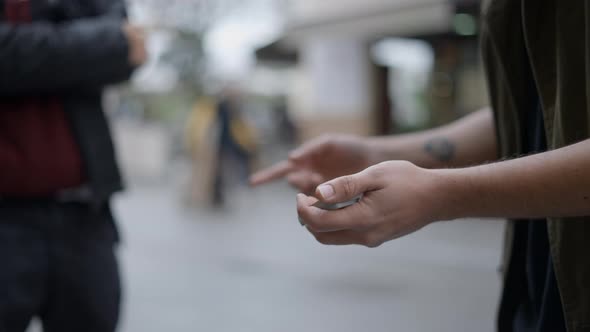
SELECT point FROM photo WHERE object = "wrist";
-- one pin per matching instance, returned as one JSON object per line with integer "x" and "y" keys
{"x": 409, "y": 147}
{"x": 376, "y": 153}
{"x": 384, "y": 148}
{"x": 455, "y": 192}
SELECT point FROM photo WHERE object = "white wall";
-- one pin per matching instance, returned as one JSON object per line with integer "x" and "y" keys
{"x": 367, "y": 19}
{"x": 304, "y": 10}
{"x": 334, "y": 85}
{"x": 332, "y": 89}
{"x": 338, "y": 72}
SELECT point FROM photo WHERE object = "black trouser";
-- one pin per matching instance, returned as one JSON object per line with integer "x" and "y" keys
{"x": 57, "y": 262}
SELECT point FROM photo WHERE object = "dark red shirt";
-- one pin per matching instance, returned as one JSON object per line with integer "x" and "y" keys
{"x": 38, "y": 152}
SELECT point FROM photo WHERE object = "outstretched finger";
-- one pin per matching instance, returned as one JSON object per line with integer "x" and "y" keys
{"x": 305, "y": 181}
{"x": 308, "y": 149}
{"x": 275, "y": 172}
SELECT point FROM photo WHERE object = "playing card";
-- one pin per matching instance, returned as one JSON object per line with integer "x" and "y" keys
{"x": 333, "y": 207}
{"x": 337, "y": 206}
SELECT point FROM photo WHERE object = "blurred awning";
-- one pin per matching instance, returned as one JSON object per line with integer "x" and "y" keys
{"x": 368, "y": 20}
{"x": 383, "y": 18}
{"x": 277, "y": 53}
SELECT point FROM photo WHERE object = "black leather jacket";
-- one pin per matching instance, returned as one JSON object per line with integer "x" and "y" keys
{"x": 70, "y": 49}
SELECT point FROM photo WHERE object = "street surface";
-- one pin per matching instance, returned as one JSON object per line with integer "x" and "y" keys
{"x": 252, "y": 267}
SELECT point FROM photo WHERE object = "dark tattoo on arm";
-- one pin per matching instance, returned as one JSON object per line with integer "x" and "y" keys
{"x": 440, "y": 148}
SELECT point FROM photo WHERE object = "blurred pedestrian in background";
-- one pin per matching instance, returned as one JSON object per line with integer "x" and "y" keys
{"x": 287, "y": 131}
{"x": 57, "y": 165}
{"x": 222, "y": 145}
{"x": 537, "y": 58}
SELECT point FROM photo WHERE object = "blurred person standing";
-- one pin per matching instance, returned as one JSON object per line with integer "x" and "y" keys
{"x": 221, "y": 143}
{"x": 287, "y": 130}
{"x": 57, "y": 164}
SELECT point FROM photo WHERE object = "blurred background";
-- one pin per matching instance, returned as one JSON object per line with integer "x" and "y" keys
{"x": 203, "y": 252}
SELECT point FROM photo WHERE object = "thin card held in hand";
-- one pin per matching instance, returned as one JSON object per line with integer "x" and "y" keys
{"x": 337, "y": 206}
{"x": 333, "y": 207}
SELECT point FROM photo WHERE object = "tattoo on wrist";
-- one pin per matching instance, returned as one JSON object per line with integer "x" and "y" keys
{"x": 440, "y": 148}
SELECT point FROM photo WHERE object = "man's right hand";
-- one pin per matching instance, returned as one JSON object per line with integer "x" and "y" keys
{"x": 320, "y": 160}
{"x": 136, "y": 40}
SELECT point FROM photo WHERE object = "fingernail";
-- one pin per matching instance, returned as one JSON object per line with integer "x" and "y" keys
{"x": 326, "y": 190}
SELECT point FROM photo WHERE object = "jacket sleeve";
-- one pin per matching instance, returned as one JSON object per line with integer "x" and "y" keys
{"x": 42, "y": 57}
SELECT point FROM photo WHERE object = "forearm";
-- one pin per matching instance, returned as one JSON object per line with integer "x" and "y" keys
{"x": 551, "y": 184}
{"x": 468, "y": 141}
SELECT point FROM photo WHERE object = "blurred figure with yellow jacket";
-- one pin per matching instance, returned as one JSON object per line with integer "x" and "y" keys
{"x": 221, "y": 143}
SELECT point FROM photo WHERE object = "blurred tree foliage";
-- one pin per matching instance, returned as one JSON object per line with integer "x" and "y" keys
{"x": 186, "y": 56}
{"x": 189, "y": 20}
{"x": 187, "y": 15}
{"x": 186, "y": 22}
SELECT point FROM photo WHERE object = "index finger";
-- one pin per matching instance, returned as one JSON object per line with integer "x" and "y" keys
{"x": 308, "y": 148}
{"x": 272, "y": 173}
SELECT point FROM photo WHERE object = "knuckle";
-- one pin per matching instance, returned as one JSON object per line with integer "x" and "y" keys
{"x": 382, "y": 170}
{"x": 321, "y": 238}
{"x": 348, "y": 185}
{"x": 312, "y": 224}
{"x": 371, "y": 241}
{"x": 302, "y": 212}
{"x": 407, "y": 164}
{"x": 376, "y": 172}
{"x": 319, "y": 221}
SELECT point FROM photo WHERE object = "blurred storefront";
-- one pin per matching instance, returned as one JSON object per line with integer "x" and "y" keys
{"x": 379, "y": 66}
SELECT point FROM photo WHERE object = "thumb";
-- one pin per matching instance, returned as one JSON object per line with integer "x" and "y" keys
{"x": 345, "y": 188}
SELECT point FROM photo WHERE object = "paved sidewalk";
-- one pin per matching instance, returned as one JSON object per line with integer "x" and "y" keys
{"x": 253, "y": 268}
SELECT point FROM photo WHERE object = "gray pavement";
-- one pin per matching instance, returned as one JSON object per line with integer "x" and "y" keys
{"x": 251, "y": 267}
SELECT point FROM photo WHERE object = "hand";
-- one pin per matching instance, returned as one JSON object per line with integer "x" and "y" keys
{"x": 398, "y": 198}
{"x": 136, "y": 40}
{"x": 320, "y": 160}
